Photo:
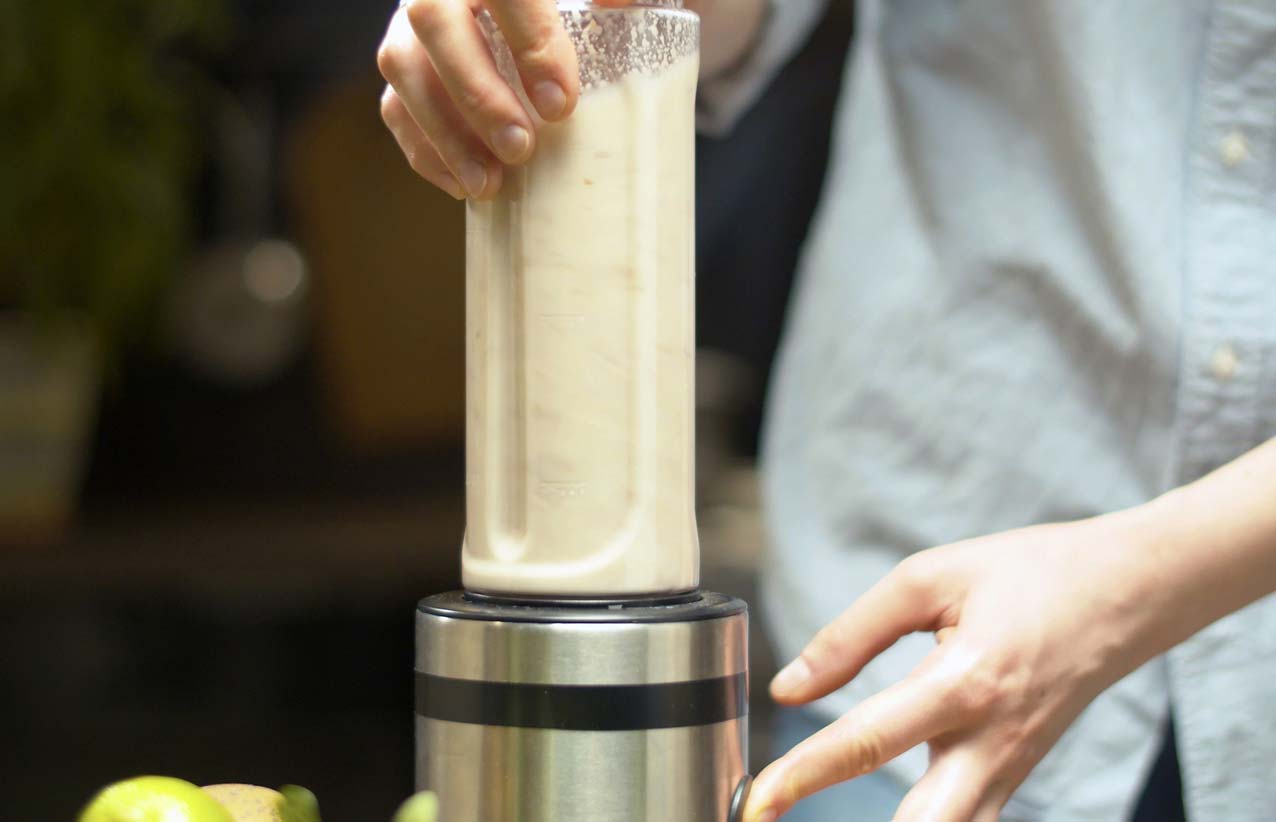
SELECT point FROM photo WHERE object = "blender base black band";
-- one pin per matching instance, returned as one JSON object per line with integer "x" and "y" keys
{"x": 583, "y": 707}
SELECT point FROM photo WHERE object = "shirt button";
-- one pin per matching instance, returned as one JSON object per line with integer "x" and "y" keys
{"x": 1234, "y": 149}
{"x": 1224, "y": 362}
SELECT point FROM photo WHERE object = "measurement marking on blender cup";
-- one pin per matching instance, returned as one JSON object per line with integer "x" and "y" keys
{"x": 561, "y": 489}
{"x": 565, "y": 321}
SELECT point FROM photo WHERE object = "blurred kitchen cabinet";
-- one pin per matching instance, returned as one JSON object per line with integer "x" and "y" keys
{"x": 387, "y": 250}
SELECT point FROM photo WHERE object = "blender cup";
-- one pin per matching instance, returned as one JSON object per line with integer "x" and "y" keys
{"x": 580, "y": 328}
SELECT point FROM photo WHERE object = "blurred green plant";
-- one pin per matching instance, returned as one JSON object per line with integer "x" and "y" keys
{"x": 98, "y": 142}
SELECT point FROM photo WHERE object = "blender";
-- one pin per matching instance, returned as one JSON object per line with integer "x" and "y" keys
{"x": 582, "y": 675}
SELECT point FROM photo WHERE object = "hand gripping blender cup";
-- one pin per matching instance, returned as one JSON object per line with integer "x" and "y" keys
{"x": 582, "y": 676}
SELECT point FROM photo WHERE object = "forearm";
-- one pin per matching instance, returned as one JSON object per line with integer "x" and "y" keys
{"x": 1210, "y": 548}
{"x": 728, "y": 29}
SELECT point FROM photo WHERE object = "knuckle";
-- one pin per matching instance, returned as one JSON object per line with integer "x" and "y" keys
{"x": 388, "y": 61}
{"x": 862, "y": 751}
{"x": 977, "y": 690}
{"x": 913, "y": 573}
{"x": 477, "y": 96}
{"x": 426, "y": 16}
{"x": 537, "y": 51}
{"x": 388, "y": 106}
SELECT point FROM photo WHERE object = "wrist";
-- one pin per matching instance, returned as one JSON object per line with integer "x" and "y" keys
{"x": 1146, "y": 585}
{"x": 1189, "y": 562}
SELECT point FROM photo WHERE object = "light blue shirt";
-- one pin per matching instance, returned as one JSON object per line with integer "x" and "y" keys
{"x": 1041, "y": 286}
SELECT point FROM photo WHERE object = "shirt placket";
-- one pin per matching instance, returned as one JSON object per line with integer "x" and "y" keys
{"x": 1225, "y": 394}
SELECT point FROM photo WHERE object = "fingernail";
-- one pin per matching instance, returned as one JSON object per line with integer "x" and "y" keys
{"x": 473, "y": 177}
{"x": 511, "y": 143}
{"x": 792, "y": 677}
{"x": 550, "y": 99}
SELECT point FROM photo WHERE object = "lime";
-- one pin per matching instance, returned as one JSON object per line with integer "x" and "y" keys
{"x": 300, "y": 804}
{"x": 423, "y": 807}
{"x": 153, "y": 799}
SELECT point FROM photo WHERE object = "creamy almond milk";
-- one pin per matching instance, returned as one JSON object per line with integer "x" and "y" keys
{"x": 580, "y": 295}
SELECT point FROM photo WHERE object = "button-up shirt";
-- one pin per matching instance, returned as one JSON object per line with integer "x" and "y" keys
{"x": 1041, "y": 286}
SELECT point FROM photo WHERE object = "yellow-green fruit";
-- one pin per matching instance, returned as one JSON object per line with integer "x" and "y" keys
{"x": 423, "y": 807}
{"x": 249, "y": 803}
{"x": 153, "y": 799}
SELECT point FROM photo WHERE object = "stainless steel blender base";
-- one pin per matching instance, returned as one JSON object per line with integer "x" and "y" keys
{"x": 545, "y": 713}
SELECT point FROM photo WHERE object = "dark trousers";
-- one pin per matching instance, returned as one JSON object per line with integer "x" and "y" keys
{"x": 1162, "y": 797}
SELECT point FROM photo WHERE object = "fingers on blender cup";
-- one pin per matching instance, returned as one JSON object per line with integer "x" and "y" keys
{"x": 465, "y": 155}
{"x": 406, "y": 66}
{"x": 416, "y": 147}
{"x": 543, "y": 52}
{"x": 463, "y": 62}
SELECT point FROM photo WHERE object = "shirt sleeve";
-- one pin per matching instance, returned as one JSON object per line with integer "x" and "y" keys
{"x": 722, "y": 100}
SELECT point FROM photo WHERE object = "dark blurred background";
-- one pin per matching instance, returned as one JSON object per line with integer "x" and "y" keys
{"x": 231, "y": 387}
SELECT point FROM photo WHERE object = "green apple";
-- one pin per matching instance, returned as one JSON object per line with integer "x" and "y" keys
{"x": 154, "y": 799}
{"x": 423, "y": 807}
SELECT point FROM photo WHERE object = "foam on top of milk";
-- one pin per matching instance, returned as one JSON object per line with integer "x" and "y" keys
{"x": 580, "y": 297}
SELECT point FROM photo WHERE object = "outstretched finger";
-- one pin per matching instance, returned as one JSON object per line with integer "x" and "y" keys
{"x": 911, "y": 598}
{"x": 876, "y": 731}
